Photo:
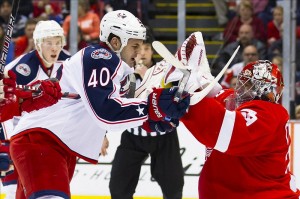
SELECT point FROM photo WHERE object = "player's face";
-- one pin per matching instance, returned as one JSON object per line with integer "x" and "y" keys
{"x": 51, "y": 48}
{"x": 146, "y": 53}
{"x": 130, "y": 51}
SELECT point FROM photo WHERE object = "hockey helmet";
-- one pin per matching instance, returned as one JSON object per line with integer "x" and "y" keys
{"x": 45, "y": 29}
{"x": 259, "y": 80}
{"x": 122, "y": 24}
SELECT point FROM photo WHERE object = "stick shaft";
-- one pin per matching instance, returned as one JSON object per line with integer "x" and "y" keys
{"x": 8, "y": 35}
{"x": 35, "y": 91}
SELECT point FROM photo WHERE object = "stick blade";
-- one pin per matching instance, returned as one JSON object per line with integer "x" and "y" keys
{"x": 198, "y": 96}
{"x": 162, "y": 50}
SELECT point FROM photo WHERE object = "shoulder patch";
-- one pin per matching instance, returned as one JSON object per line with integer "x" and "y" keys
{"x": 101, "y": 54}
{"x": 23, "y": 69}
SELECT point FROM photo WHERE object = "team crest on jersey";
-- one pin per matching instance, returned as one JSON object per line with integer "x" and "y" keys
{"x": 158, "y": 69}
{"x": 23, "y": 69}
{"x": 101, "y": 54}
{"x": 122, "y": 15}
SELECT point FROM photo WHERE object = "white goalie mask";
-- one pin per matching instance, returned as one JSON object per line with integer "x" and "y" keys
{"x": 259, "y": 80}
{"x": 122, "y": 24}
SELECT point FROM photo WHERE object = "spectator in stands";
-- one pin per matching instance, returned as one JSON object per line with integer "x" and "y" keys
{"x": 132, "y": 6}
{"x": 88, "y": 22}
{"x": 245, "y": 38}
{"x": 10, "y": 53}
{"x": 221, "y": 8}
{"x": 25, "y": 44}
{"x": 20, "y": 21}
{"x": 233, "y": 82}
{"x": 25, "y": 8}
{"x": 81, "y": 43}
{"x": 250, "y": 54}
{"x": 39, "y": 8}
{"x": 51, "y": 15}
{"x": 278, "y": 61}
{"x": 273, "y": 30}
{"x": 245, "y": 16}
{"x": 276, "y": 50}
{"x": 297, "y": 112}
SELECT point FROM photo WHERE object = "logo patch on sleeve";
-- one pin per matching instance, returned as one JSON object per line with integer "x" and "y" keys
{"x": 23, "y": 69}
{"x": 101, "y": 54}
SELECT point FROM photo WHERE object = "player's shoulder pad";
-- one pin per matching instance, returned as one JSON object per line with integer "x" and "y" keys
{"x": 26, "y": 68}
{"x": 63, "y": 55}
{"x": 99, "y": 55}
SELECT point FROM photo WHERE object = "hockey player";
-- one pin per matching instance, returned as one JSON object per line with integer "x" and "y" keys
{"x": 46, "y": 142}
{"x": 31, "y": 68}
{"x": 245, "y": 130}
{"x": 137, "y": 145}
{"x": 248, "y": 144}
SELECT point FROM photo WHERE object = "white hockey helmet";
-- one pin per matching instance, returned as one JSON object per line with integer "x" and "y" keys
{"x": 49, "y": 28}
{"x": 122, "y": 24}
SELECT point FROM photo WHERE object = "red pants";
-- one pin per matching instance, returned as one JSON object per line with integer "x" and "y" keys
{"x": 44, "y": 166}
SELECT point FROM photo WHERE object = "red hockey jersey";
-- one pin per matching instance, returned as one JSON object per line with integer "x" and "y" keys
{"x": 247, "y": 150}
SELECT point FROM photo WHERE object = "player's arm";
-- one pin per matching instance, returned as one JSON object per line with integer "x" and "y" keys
{"x": 102, "y": 88}
{"x": 246, "y": 131}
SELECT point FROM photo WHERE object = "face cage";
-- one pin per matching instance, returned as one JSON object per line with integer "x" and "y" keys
{"x": 246, "y": 90}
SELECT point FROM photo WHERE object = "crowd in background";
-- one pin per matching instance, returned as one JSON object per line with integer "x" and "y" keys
{"x": 255, "y": 23}
{"x": 258, "y": 23}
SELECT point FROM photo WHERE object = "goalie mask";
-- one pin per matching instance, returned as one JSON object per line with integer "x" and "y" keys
{"x": 259, "y": 80}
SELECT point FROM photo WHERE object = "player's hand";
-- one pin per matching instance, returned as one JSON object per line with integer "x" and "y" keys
{"x": 160, "y": 126}
{"x": 49, "y": 95}
{"x": 104, "y": 147}
{"x": 9, "y": 104}
{"x": 8, "y": 88}
{"x": 161, "y": 104}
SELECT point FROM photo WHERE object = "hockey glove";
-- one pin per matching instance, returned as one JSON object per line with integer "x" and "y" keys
{"x": 8, "y": 88}
{"x": 161, "y": 104}
{"x": 9, "y": 104}
{"x": 50, "y": 94}
{"x": 160, "y": 126}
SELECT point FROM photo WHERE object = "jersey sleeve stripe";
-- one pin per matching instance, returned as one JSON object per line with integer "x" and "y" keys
{"x": 225, "y": 131}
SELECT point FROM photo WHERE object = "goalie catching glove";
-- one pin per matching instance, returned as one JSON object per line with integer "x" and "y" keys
{"x": 192, "y": 54}
{"x": 161, "y": 104}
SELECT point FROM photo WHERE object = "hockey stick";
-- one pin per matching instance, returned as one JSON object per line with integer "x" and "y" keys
{"x": 195, "y": 97}
{"x": 8, "y": 35}
{"x": 36, "y": 91}
{"x": 167, "y": 55}
{"x": 198, "y": 96}
{"x": 5, "y": 47}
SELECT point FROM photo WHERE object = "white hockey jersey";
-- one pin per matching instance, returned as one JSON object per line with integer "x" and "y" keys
{"x": 98, "y": 76}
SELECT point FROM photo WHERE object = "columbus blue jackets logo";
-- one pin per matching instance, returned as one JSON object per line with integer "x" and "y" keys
{"x": 101, "y": 54}
{"x": 23, "y": 69}
{"x": 122, "y": 15}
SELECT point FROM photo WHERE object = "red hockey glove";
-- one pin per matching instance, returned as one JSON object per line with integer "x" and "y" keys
{"x": 160, "y": 126}
{"x": 161, "y": 104}
{"x": 50, "y": 94}
{"x": 9, "y": 88}
{"x": 9, "y": 104}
